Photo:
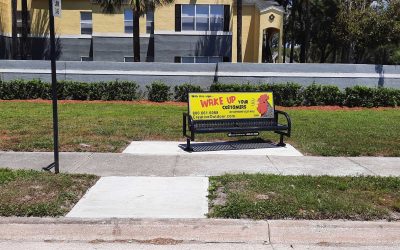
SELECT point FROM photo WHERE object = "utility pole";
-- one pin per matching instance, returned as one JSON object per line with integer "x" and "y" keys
{"x": 54, "y": 87}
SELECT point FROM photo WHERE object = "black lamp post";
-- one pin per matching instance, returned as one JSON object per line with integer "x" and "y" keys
{"x": 55, "y": 164}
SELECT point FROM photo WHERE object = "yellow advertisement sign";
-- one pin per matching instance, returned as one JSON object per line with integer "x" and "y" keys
{"x": 243, "y": 105}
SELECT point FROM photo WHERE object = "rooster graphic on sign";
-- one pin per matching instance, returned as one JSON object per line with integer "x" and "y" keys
{"x": 264, "y": 108}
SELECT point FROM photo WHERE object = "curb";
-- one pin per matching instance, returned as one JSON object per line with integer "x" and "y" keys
{"x": 200, "y": 231}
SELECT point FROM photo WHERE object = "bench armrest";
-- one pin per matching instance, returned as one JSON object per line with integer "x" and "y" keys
{"x": 186, "y": 120}
{"x": 289, "y": 122}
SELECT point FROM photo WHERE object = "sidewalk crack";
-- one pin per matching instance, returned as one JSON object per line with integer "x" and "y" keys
{"x": 273, "y": 165}
{"x": 175, "y": 164}
{"x": 80, "y": 164}
{"x": 361, "y": 166}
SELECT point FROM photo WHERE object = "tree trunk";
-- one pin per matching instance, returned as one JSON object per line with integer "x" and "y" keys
{"x": 136, "y": 33}
{"x": 239, "y": 31}
{"x": 24, "y": 35}
{"x": 305, "y": 29}
{"x": 14, "y": 30}
{"x": 323, "y": 54}
{"x": 302, "y": 30}
{"x": 285, "y": 26}
{"x": 334, "y": 52}
{"x": 293, "y": 25}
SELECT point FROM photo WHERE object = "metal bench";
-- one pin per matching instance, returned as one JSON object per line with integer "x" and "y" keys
{"x": 236, "y": 127}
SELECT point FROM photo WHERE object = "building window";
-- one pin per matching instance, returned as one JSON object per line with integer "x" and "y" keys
{"x": 128, "y": 59}
{"x": 128, "y": 21}
{"x": 19, "y": 22}
{"x": 201, "y": 59}
{"x": 150, "y": 22}
{"x": 86, "y": 23}
{"x": 202, "y": 17}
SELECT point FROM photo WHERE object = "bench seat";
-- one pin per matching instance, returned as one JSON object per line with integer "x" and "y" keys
{"x": 236, "y": 126}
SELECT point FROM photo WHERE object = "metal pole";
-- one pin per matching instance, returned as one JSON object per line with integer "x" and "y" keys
{"x": 54, "y": 88}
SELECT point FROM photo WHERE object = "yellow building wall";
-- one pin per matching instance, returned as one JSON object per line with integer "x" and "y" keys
{"x": 5, "y": 17}
{"x": 253, "y": 22}
{"x": 250, "y": 35}
{"x": 113, "y": 23}
{"x": 266, "y": 23}
{"x": 69, "y": 22}
{"x": 164, "y": 19}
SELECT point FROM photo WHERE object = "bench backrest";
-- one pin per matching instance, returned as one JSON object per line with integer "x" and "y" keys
{"x": 231, "y": 105}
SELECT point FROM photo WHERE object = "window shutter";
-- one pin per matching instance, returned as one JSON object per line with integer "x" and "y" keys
{"x": 177, "y": 59}
{"x": 227, "y": 17}
{"x": 226, "y": 59}
{"x": 177, "y": 17}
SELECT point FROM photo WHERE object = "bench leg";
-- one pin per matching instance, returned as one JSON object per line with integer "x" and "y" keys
{"x": 188, "y": 146}
{"x": 281, "y": 143}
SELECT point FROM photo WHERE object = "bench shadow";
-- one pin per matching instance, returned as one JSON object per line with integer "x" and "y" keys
{"x": 231, "y": 145}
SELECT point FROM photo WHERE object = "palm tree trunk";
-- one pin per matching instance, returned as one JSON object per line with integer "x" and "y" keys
{"x": 14, "y": 30}
{"x": 24, "y": 35}
{"x": 136, "y": 32}
{"x": 239, "y": 30}
{"x": 293, "y": 26}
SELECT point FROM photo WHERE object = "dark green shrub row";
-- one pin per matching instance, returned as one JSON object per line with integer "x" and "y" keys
{"x": 68, "y": 90}
{"x": 288, "y": 94}
{"x": 292, "y": 94}
{"x": 161, "y": 92}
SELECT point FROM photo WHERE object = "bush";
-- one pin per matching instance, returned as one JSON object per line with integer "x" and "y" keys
{"x": 315, "y": 95}
{"x": 359, "y": 96}
{"x": 386, "y": 97}
{"x": 69, "y": 90}
{"x": 233, "y": 87}
{"x": 181, "y": 91}
{"x": 158, "y": 92}
{"x": 288, "y": 95}
{"x": 20, "y": 89}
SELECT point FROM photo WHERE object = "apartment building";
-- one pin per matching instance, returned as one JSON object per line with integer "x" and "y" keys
{"x": 186, "y": 31}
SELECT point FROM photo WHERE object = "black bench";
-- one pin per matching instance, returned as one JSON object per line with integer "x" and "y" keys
{"x": 236, "y": 127}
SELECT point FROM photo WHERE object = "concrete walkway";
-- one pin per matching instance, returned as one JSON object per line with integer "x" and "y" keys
{"x": 112, "y": 164}
{"x": 144, "y": 197}
{"x": 67, "y": 233}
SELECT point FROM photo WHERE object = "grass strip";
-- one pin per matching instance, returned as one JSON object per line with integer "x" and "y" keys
{"x": 258, "y": 196}
{"x": 34, "y": 193}
{"x": 109, "y": 127}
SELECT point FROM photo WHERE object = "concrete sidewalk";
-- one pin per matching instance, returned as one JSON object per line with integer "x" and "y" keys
{"x": 245, "y": 234}
{"x": 113, "y": 164}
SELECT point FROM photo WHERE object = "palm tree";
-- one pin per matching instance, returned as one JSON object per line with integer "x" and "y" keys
{"x": 14, "y": 29}
{"x": 239, "y": 8}
{"x": 25, "y": 28}
{"x": 139, "y": 8}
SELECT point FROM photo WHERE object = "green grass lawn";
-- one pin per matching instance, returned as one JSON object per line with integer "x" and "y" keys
{"x": 304, "y": 197}
{"x": 33, "y": 193}
{"x": 109, "y": 127}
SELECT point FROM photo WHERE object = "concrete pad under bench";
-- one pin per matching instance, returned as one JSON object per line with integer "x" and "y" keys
{"x": 210, "y": 148}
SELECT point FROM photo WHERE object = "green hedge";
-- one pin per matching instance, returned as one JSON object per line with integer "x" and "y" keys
{"x": 181, "y": 91}
{"x": 292, "y": 94}
{"x": 285, "y": 94}
{"x": 158, "y": 92}
{"x": 68, "y": 90}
